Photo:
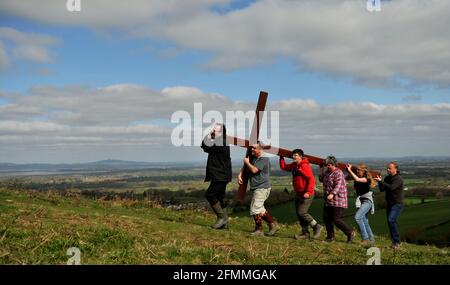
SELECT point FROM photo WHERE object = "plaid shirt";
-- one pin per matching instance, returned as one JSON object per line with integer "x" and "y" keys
{"x": 334, "y": 183}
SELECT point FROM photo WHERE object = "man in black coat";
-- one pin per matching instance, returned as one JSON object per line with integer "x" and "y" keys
{"x": 393, "y": 186}
{"x": 218, "y": 172}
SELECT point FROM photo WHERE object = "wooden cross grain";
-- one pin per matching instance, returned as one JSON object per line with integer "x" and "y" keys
{"x": 254, "y": 135}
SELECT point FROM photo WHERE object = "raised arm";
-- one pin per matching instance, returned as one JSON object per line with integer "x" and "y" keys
{"x": 284, "y": 166}
{"x": 211, "y": 147}
{"x": 355, "y": 177}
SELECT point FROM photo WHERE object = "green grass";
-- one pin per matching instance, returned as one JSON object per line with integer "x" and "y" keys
{"x": 38, "y": 228}
{"x": 413, "y": 222}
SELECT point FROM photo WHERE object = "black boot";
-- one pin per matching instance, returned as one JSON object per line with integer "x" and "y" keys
{"x": 222, "y": 217}
{"x": 225, "y": 217}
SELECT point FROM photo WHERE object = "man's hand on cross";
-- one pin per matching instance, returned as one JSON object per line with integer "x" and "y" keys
{"x": 239, "y": 178}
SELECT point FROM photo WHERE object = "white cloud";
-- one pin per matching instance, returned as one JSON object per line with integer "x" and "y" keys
{"x": 27, "y": 127}
{"x": 408, "y": 41}
{"x": 4, "y": 62}
{"x": 116, "y": 104}
{"x": 14, "y": 111}
{"x": 132, "y": 121}
{"x": 25, "y": 46}
{"x": 104, "y": 14}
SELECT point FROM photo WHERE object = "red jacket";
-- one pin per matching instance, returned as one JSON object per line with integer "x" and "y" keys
{"x": 302, "y": 176}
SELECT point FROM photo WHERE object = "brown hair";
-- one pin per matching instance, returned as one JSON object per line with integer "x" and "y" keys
{"x": 331, "y": 160}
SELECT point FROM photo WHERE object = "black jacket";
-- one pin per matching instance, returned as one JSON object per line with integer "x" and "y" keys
{"x": 218, "y": 167}
{"x": 393, "y": 186}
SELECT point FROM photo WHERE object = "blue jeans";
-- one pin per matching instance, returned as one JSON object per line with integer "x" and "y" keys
{"x": 362, "y": 219}
{"x": 393, "y": 212}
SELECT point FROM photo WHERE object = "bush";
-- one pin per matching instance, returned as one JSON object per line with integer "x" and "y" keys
{"x": 427, "y": 192}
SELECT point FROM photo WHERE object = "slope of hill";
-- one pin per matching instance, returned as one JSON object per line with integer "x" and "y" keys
{"x": 38, "y": 228}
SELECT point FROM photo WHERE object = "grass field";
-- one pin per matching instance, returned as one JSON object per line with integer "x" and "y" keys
{"x": 413, "y": 222}
{"x": 38, "y": 228}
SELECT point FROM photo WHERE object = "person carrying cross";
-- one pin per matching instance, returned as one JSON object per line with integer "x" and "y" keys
{"x": 259, "y": 168}
{"x": 364, "y": 183}
{"x": 335, "y": 196}
{"x": 392, "y": 185}
{"x": 303, "y": 182}
{"x": 218, "y": 172}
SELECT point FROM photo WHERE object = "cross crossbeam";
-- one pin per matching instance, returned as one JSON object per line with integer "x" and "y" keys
{"x": 254, "y": 135}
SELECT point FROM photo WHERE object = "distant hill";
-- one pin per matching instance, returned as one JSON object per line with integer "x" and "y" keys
{"x": 103, "y": 165}
{"x": 114, "y": 164}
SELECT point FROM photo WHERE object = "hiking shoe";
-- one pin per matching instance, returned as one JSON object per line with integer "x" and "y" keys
{"x": 351, "y": 237}
{"x": 221, "y": 223}
{"x": 273, "y": 228}
{"x": 395, "y": 246}
{"x": 224, "y": 227}
{"x": 367, "y": 243}
{"x": 329, "y": 239}
{"x": 302, "y": 236}
{"x": 257, "y": 233}
{"x": 317, "y": 229}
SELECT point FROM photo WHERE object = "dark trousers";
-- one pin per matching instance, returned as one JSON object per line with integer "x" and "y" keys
{"x": 301, "y": 209}
{"x": 393, "y": 212}
{"x": 216, "y": 193}
{"x": 333, "y": 216}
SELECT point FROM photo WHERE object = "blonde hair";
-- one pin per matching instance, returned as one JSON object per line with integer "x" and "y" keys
{"x": 367, "y": 174}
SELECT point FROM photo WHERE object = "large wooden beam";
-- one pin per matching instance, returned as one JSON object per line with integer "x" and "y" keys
{"x": 260, "y": 107}
{"x": 288, "y": 153}
{"x": 254, "y": 136}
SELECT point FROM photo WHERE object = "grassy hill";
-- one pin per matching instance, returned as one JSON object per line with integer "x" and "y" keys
{"x": 38, "y": 228}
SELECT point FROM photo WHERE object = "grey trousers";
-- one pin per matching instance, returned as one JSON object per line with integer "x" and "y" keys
{"x": 301, "y": 209}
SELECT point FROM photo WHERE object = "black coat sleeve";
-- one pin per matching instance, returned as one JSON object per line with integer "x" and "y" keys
{"x": 395, "y": 183}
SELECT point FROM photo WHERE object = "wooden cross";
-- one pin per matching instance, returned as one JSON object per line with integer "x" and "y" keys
{"x": 254, "y": 135}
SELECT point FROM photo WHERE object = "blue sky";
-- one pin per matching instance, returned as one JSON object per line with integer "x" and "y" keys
{"x": 82, "y": 56}
{"x": 93, "y": 51}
